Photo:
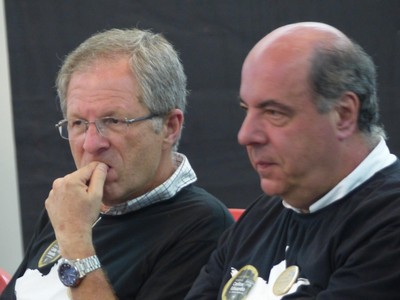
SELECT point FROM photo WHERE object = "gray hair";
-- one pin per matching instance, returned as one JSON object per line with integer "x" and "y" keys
{"x": 153, "y": 61}
{"x": 336, "y": 69}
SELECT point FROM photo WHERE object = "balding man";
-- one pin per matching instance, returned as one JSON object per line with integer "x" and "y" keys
{"x": 329, "y": 224}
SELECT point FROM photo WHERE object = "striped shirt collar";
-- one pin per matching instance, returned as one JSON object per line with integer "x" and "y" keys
{"x": 182, "y": 177}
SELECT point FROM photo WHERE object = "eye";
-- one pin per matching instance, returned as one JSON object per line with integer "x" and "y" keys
{"x": 274, "y": 113}
{"x": 109, "y": 121}
{"x": 276, "y": 117}
{"x": 243, "y": 108}
{"x": 76, "y": 123}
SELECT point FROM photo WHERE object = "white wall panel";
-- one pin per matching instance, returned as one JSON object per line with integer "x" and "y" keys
{"x": 10, "y": 222}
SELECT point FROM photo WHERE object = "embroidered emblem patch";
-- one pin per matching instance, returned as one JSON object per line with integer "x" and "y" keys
{"x": 239, "y": 286}
{"x": 50, "y": 255}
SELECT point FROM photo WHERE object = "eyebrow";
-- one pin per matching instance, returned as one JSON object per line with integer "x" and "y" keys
{"x": 269, "y": 103}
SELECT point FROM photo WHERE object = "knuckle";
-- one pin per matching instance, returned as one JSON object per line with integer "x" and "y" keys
{"x": 57, "y": 183}
{"x": 47, "y": 202}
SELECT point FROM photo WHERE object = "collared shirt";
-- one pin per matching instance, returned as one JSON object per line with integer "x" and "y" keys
{"x": 183, "y": 176}
{"x": 378, "y": 159}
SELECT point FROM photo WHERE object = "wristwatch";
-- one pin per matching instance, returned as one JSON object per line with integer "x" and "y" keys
{"x": 71, "y": 272}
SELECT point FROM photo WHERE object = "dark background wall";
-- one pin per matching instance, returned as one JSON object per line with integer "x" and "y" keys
{"x": 213, "y": 38}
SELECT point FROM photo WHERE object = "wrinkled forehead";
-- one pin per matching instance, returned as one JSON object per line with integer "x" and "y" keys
{"x": 275, "y": 71}
{"x": 277, "y": 62}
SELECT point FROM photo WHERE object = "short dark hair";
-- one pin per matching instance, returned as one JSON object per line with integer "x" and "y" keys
{"x": 343, "y": 67}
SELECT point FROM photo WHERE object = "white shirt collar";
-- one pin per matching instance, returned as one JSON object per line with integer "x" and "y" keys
{"x": 378, "y": 159}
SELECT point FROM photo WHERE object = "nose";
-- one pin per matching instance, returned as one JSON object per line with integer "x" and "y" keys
{"x": 94, "y": 141}
{"x": 251, "y": 131}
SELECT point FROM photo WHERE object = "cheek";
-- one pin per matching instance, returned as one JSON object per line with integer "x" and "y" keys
{"x": 140, "y": 166}
{"x": 141, "y": 153}
{"x": 77, "y": 153}
{"x": 307, "y": 152}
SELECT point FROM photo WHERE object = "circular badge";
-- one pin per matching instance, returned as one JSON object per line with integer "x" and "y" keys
{"x": 239, "y": 286}
{"x": 285, "y": 280}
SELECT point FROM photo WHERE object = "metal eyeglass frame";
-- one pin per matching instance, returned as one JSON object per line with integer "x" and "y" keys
{"x": 99, "y": 128}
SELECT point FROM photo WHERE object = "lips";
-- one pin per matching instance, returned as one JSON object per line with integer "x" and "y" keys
{"x": 259, "y": 158}
{"x": 111, "y": 175}
{"x": 263, "y": 166}
{"x": 110, "y": 171}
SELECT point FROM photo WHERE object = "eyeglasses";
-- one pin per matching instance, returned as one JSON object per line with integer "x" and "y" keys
{"x": 76, "y": 128}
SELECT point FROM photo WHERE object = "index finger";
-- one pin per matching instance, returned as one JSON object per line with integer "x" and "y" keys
{"x": 98, "y": 178}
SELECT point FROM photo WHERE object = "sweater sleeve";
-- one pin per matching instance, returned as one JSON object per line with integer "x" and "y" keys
{"x": 370, "y": 272}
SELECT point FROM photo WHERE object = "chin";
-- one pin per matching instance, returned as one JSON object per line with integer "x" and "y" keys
{"x": 270, "y": 187}
{"x": 108, "y": 194}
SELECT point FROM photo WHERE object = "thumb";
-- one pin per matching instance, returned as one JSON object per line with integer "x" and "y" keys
{"x": 98, "y": 178}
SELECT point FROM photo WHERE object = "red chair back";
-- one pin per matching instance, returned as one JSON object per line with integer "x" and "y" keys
{"x": 4, "y": 279}
{"x": 236, "y": 212}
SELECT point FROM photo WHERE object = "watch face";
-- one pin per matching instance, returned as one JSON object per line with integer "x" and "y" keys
{"x": 68, "y": 274}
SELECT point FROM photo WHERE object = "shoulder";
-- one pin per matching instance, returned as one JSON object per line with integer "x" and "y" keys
{"x": 381, "y": 191}
{"x": 198, "y": 199}
{"x": 264, "y": 207}
{"x": 197, "y": 208}
{"x": 263, "y": 213}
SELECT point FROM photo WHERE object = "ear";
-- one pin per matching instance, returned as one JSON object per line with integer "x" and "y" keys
{"x": 347, "y": 111}
{"x": 173, "y": 127}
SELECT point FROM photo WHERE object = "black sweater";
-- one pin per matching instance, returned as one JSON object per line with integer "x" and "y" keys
{"x": 153, "y": 253}
{"x": 348, "y": 250}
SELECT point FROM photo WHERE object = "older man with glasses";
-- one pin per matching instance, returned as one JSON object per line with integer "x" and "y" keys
{"x": 129, "y": 223}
